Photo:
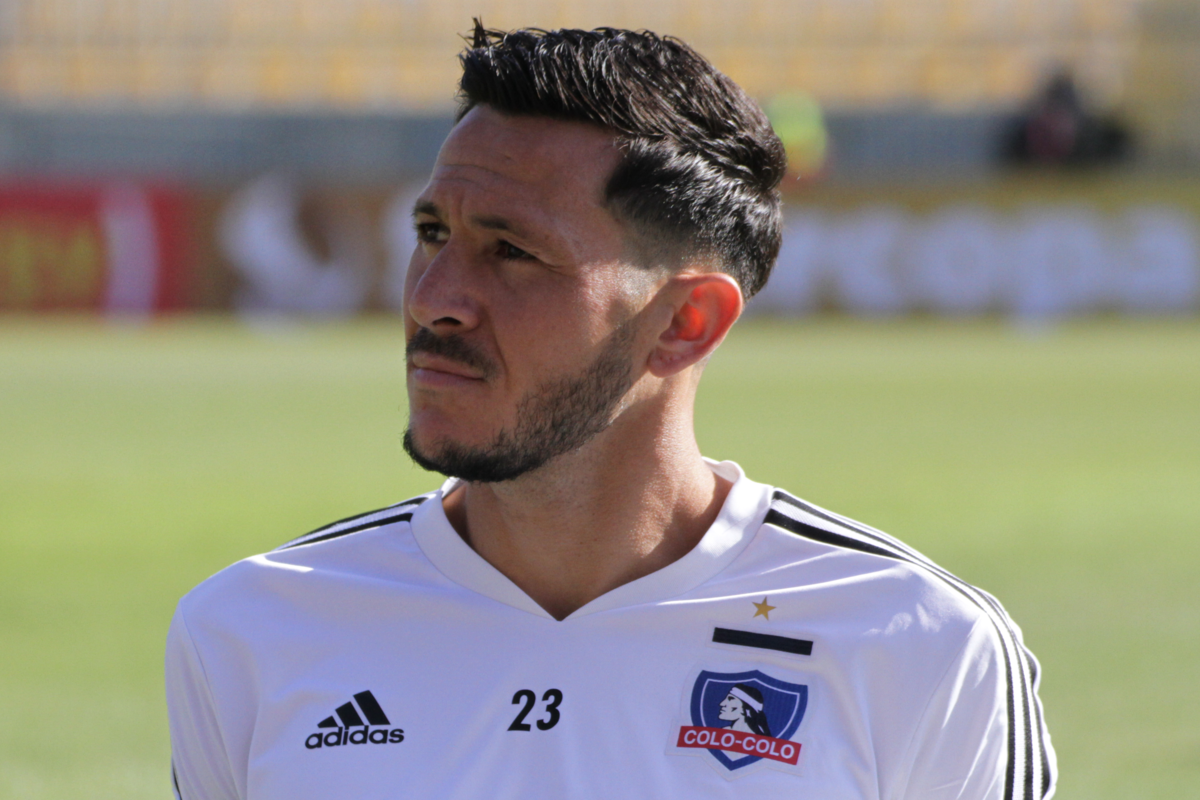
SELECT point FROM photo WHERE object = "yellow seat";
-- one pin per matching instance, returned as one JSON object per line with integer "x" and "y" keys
{"x": 368, "y": 53}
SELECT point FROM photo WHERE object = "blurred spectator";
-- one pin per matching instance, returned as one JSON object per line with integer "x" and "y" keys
{"x": 296, "y": 252}
{"x": 1056, "y": 129}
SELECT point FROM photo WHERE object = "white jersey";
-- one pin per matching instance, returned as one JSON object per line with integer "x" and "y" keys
{"x": 791, "y": 654}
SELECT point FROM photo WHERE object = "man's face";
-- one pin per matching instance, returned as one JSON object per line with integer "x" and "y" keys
{"x": 520, "y": 307}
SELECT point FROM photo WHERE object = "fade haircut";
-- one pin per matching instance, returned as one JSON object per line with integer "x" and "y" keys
{"x": 701, "y": 166}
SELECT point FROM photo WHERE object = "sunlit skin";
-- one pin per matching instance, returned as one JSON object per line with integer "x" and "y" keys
{"x": 520, "y": 257}
{"x": 509, "y": 291}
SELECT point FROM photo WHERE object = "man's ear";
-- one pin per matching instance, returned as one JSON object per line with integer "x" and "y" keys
{"x": 704, "y": 307}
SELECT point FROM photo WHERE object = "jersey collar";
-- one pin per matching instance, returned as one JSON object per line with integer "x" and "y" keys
{"x": 741, "y": 515}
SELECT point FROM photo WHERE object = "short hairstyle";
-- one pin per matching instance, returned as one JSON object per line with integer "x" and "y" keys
{"x": 701, "y": 165}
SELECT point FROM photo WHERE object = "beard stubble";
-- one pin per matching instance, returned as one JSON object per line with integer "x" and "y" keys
{"x": 556, "y": 418}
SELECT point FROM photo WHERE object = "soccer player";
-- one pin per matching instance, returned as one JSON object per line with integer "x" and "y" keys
{"x": 587, "y": 607}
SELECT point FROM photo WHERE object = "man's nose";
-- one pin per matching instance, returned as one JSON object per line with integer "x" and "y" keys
{"x": 444, "y": 297}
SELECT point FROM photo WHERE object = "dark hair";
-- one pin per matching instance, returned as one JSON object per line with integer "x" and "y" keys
{"x": 755, "y": 720}
{"x": 701, "y": 163}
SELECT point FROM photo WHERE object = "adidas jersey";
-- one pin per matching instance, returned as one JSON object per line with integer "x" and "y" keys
{"x": 791, "y": 654}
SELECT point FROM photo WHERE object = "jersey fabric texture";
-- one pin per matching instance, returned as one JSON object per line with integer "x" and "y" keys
{"x": 792, "y": 653}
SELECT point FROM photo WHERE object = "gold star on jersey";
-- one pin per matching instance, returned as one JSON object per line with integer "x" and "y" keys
{"x": 764, "y": 609}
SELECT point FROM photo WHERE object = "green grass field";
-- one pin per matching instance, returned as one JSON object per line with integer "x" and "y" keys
{"x": 1059, "y": 469}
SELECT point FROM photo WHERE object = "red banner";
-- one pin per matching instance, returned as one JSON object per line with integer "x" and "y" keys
{"x": 751, "y": 744}
{"x": 117, "y": 247}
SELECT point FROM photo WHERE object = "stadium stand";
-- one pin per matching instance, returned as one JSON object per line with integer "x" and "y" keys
{"x": 400, "y": 54}
{"x": 1167, "y": 111}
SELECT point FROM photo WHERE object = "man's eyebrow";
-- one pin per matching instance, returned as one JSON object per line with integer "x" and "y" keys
{"x": 493, "y": 223}
{"x": 488, "y": 222}
{"x": 427, "y": 207}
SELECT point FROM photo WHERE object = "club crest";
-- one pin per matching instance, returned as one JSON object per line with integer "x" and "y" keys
{"x": 745, "y": 717}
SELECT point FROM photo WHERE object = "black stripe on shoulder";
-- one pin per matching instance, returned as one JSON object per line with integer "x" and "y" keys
{"x": 374, "y": 523}
{"x": 358, "y": 522}
{"x": 1022, "y": 675}
{"x": 1047, "y": 782}
{"x": 799, "y": 528}
{"x": 412, "y": 501}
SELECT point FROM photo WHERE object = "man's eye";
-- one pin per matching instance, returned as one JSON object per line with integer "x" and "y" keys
{"x": 432, "y": 232}
{"x": 512, "y": 251}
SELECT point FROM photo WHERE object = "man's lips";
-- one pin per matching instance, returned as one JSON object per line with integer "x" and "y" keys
{"x": 429, "y": 368}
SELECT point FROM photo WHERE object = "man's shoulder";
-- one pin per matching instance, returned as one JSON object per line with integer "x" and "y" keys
{"x": 924, "y": 622}
{"x": 890, "y": 575}
{"x": 368, "y": 520}
{"x": 349, "y": 548}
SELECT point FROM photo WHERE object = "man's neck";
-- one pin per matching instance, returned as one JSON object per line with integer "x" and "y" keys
{"x": 595, "y": 519}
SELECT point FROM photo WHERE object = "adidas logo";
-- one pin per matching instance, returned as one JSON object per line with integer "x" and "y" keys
{"x": 348, "y": 717}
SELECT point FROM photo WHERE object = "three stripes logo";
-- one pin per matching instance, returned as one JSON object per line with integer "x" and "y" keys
{"x": 349, "y": 727}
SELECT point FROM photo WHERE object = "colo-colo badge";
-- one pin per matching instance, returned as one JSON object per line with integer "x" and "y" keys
{"x": 744, "y": 717}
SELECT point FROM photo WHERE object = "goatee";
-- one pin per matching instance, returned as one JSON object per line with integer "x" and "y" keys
{"x": 556, "y": 418}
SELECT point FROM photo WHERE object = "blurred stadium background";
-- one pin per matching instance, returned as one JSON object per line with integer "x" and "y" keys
{"x": 982, "y": 334}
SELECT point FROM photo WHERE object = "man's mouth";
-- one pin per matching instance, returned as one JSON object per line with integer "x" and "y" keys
{"x": 429, "y": 363}
{"x": 450, "y": 357}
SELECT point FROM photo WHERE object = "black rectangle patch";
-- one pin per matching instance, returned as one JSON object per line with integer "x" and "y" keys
{"x": 765, "y": 641}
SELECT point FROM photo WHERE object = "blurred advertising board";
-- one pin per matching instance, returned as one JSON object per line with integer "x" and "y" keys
{"x": 112, "y": 247}
{"x": 1033, "y": 247}
{"x": 1028, "y": 247}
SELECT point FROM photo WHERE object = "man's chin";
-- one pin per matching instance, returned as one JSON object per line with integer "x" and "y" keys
{"x": 489, "y": 464}
{"x": 426, "y": 456}
{"x": 428, "y": 437}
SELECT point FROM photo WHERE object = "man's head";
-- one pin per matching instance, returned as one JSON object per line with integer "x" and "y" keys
{"x": 700, "y": 163}
{"x": 603, "y": 204}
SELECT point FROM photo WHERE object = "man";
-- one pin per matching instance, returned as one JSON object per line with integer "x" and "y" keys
{"x": 569, "y": 614}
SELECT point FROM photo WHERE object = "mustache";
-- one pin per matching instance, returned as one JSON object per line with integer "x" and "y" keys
{"x": 452, "y": 347}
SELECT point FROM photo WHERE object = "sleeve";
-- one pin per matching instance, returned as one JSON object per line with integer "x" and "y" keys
{"x": 200, "y": 764}
{"x": 981, "y": 735}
